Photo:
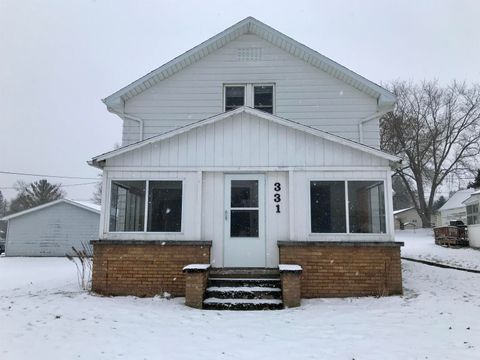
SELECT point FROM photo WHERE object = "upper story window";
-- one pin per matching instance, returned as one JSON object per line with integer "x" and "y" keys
{"x": 257, "y": 96}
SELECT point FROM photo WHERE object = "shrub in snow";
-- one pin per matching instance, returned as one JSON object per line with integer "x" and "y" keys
{"x": 83, "y": 261}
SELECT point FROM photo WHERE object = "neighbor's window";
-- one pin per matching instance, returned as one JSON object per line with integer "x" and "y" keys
{"x": 473, "y": 214}
{"x": 263, "y": 98}
{"x": 366, "y": 209}
{"x": 164, "y": 206}
{"x": 327, "y": 203}
{"x": 127, "y": 206}
{"x": 234, "y": 97}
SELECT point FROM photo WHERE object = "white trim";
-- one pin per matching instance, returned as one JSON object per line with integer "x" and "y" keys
{"x": 274, "y": 118}
{"x": 385, "y": 99}
{"x": 252, "y": 169}
{"x": 43, "y": 206}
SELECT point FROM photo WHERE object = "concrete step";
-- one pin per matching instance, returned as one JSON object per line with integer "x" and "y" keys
{"x": 243, "y": 292}
{"x": 243, "y": 282}
{"x": 242, "y": 304}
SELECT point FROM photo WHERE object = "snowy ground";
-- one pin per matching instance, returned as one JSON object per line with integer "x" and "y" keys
{"x": 420, "y": 244}
{"x": 44, "y": 315}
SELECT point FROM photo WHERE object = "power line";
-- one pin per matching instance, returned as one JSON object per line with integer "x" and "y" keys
{"x": 50, "y": 176}
{"x": 62, "y": 186}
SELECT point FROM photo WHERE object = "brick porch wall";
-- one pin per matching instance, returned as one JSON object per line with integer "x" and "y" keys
{"x": 342, "y": 269}
{"x": 144, "y": 268}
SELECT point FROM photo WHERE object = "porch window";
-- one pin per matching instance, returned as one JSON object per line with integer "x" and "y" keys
{"x": 365, "y": 201}
{"x": 473, "y": 214}
{"x": 327, "y": 204}
{"x": 366, "y": 204}
{"x": 164, "y": 206}
{"x": 127, "y": 206}
{"x": 234, "y": 97}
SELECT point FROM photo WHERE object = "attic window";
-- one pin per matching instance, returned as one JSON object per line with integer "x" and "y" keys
{"x": 263, "y": 98}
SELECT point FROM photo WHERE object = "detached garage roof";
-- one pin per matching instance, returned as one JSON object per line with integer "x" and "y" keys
{"x": 81, "y": 204}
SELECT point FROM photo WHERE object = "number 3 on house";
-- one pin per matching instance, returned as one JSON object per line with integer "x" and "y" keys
{"x": 276, "y": 197}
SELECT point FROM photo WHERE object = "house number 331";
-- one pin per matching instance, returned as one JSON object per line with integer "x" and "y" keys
{"x": 276, "y": 196}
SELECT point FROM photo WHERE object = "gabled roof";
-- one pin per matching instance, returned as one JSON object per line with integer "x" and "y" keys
{"x": 81, "y": 204}
{"x": 97, "y": 161}
{"x": 457, "y": 199}
{"x": 250, "y": 25}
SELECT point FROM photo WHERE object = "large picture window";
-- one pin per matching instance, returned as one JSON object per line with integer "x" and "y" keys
{"x": 327, "y": 203}
{"x": 366, "y": 207}
{"x": 127, "y": 206}
{"x": 164, "y": 206}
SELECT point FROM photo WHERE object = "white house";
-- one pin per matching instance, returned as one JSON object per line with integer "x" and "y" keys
{"x": 472, "y": 205}
{"x": 454, "y": 208}
{"x": 51, "y": 229}
{"x": 247, "y": 151}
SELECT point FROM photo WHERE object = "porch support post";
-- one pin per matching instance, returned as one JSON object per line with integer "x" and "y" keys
{"x": 291, "y": 290}
{"x": 196, "y": 276}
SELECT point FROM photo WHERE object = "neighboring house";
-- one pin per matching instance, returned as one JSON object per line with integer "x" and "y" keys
{"x": 51, "y": 229}
{"x": 248, "y": 151}
{"x": 454, "y": 209}
{"x": 472, "y": 205}
{"x": 407, "y": 219}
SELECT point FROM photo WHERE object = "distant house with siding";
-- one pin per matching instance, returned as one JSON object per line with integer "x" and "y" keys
{"x": 51, "y": 229}
{"x": 454, "y": 208}
{"x": 408, "y": 217}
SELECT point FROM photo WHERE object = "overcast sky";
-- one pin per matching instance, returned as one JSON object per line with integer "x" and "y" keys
{"x": 58, "y": 59}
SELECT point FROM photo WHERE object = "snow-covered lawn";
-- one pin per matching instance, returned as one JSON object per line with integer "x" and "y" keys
{"x": 44, "y": 315}
{"x": 420, "y": 244}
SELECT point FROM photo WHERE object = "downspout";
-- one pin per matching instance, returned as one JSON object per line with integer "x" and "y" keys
{"x": 373, "y": 116}
{"x": 123, "y": 115}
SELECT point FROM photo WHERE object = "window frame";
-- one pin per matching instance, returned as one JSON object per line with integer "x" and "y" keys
{"x": 145, "y": 222}
{"x": 347, "y": 210}
{"x": 473, "y": 214}
{"x": 249, "y": 94}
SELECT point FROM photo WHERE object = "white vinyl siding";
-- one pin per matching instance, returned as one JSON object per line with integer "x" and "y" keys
{"x": 245, "y": 140}
{"x": 303, "y": 93}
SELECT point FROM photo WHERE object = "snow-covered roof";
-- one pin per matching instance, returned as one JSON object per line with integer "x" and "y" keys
{"x": 250, "y": 25}
{"x": 402, "y": 210}
{"x": 456, "y": 200}
{"x": 97, "y": 160}
{"x": 81, "y": 204}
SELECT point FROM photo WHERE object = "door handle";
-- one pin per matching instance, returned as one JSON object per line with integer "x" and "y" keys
{"x": 226, "y": 215}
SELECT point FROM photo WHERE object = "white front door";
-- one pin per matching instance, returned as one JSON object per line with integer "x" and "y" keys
{"x": 244, "y": 221}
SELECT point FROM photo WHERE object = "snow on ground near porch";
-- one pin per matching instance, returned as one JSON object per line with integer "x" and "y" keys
{"x": 44, "y": 315}
{"x": 420, "y": 244}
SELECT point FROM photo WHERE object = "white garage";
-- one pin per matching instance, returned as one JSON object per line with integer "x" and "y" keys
{"x": 52, "y": 229}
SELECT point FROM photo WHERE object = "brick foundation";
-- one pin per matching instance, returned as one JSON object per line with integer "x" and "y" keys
{"x": 144, "y": 268}
{"x": 342, "y": 269}
{"x": 291, "y": 286}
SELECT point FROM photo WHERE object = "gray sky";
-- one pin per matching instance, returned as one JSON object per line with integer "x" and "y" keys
{"x": 58, "y": 59}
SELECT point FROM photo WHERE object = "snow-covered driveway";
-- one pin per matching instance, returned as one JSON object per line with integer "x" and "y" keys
{"x": 43, "y": 315}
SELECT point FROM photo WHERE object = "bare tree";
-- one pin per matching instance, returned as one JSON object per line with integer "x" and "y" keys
{"x": 436, "y": 130}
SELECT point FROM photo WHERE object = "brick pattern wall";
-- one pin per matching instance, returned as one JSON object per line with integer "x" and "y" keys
{"x": 144, "y": 270}
{"x": 291, "y": 288}
{"x": 342, "y": 271}
{"x": 196, "y": 283}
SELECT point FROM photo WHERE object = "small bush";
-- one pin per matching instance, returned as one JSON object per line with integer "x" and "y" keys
{"x": 82, "y": 258}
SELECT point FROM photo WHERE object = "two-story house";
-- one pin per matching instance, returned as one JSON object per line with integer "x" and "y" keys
{"x": 248, "y": 151}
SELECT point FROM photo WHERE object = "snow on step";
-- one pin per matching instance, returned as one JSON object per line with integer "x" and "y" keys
{"x": 243, "y": 279}
{"x": 241, "y": 288}
{"x": 242, "y": 301}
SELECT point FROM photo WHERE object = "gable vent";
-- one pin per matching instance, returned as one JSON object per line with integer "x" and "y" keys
{"x": 249, "y": 54}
